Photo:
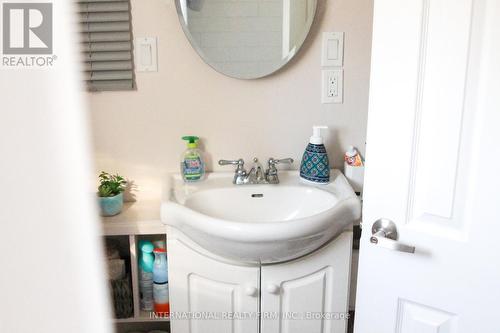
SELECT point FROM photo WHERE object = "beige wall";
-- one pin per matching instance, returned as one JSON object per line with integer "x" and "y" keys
{"x": 138, "y": 133}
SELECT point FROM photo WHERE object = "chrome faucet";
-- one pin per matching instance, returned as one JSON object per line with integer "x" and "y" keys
{"x": 256, "y": 175}
{"x": 272, "y": 171}
{"x": 240, "y": 174}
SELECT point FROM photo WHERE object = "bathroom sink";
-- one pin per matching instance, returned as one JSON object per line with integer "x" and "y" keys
{"x": 260, "y": 223}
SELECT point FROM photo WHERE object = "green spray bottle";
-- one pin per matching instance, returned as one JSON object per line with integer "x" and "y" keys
{"x": 192, "y": 165}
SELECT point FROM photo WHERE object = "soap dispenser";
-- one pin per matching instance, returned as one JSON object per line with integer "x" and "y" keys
{"x": 315, "y": 166}
{"x": 192, "y": 165}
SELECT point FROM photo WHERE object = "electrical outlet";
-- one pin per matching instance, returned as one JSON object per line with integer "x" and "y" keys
{"x": 333, "y": 86}
{"x": 333, "y": 81}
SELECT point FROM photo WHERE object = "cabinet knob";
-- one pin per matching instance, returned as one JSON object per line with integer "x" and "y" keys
{"x": 273, "y": 289}
{"x": 251, "y": 291}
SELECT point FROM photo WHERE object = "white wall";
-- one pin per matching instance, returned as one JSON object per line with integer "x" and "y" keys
{"x": 138, "y": 133}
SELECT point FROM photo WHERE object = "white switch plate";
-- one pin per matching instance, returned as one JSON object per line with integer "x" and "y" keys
{"x": 333, "y": 49}
{"x": 332, "y": 86}
{"x": 146, "y": 54}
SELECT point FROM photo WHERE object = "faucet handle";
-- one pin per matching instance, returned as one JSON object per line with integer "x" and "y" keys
{"x": 238, "y": 162}
{"x": 240, "y": 169}
{"x": 272, "y": 162}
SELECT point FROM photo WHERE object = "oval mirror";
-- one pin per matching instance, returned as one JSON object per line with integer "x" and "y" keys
{"x": 246, "y": 39}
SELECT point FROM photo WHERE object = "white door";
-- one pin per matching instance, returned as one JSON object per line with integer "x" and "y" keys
{"x": 308, "y": 295}
{"x": 432, "y": 169}
{"x": 204, "y": 293}
{"x": 52, "y": 275}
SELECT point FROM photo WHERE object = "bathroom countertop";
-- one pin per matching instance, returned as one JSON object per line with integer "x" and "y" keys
{"x": 137, "y": 218}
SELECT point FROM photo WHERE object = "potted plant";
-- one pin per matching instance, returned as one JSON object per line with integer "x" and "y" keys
{"x": 110, "y": 193}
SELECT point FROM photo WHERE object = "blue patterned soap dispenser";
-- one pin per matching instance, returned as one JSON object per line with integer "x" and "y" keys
{"x": 315, "y": 166}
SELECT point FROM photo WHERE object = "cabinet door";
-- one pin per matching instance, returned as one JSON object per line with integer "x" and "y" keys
{"x": 204, "y": 293}
{"x": 310, "y": 294}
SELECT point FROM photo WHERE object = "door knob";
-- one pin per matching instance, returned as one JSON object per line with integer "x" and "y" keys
{"x": 250, "y": 291}
{"x": 272, "y": 288}
{"x": 385, "y": 234}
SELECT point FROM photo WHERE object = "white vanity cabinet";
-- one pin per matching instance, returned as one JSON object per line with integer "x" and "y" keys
{"x": 210, "y": 291}
{"x": 308, "y": 294}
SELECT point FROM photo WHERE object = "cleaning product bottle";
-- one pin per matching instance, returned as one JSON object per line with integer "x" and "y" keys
{"x": 160, "y": 286}
{"x": 146, "y": 261}
{"x": 192, "y": 166}
{"x": 315, "y": 166}
{"x": 160, "y": 266}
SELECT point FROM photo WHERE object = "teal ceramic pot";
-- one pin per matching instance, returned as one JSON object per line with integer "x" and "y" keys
{"x": 111, "y": 205}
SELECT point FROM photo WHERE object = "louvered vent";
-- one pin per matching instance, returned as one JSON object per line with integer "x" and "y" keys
{"x": 107, "y": 44}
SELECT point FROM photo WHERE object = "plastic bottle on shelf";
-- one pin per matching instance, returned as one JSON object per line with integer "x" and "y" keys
{"x": 159, "y": 244}
{"x": 160, "y": 279}
{"x": 146, "y": 262}
{"x": 160, "y": 269}
{"x": 161, "y": 299}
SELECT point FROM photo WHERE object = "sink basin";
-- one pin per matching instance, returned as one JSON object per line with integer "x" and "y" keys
{"x": 260, "y": 223}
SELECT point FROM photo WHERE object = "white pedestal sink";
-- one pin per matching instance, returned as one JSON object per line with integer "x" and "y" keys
{"x": 260, "y": 223}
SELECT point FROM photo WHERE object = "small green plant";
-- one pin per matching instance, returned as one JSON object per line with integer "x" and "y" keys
{"x": 110, "y": 185}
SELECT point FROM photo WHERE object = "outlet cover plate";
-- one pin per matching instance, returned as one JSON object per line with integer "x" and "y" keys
{"x": 332, "y": 86}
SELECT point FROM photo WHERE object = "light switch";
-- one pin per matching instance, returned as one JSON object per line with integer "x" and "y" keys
{"x": 146, "y": 56}
{"x": 333, "y": 49}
